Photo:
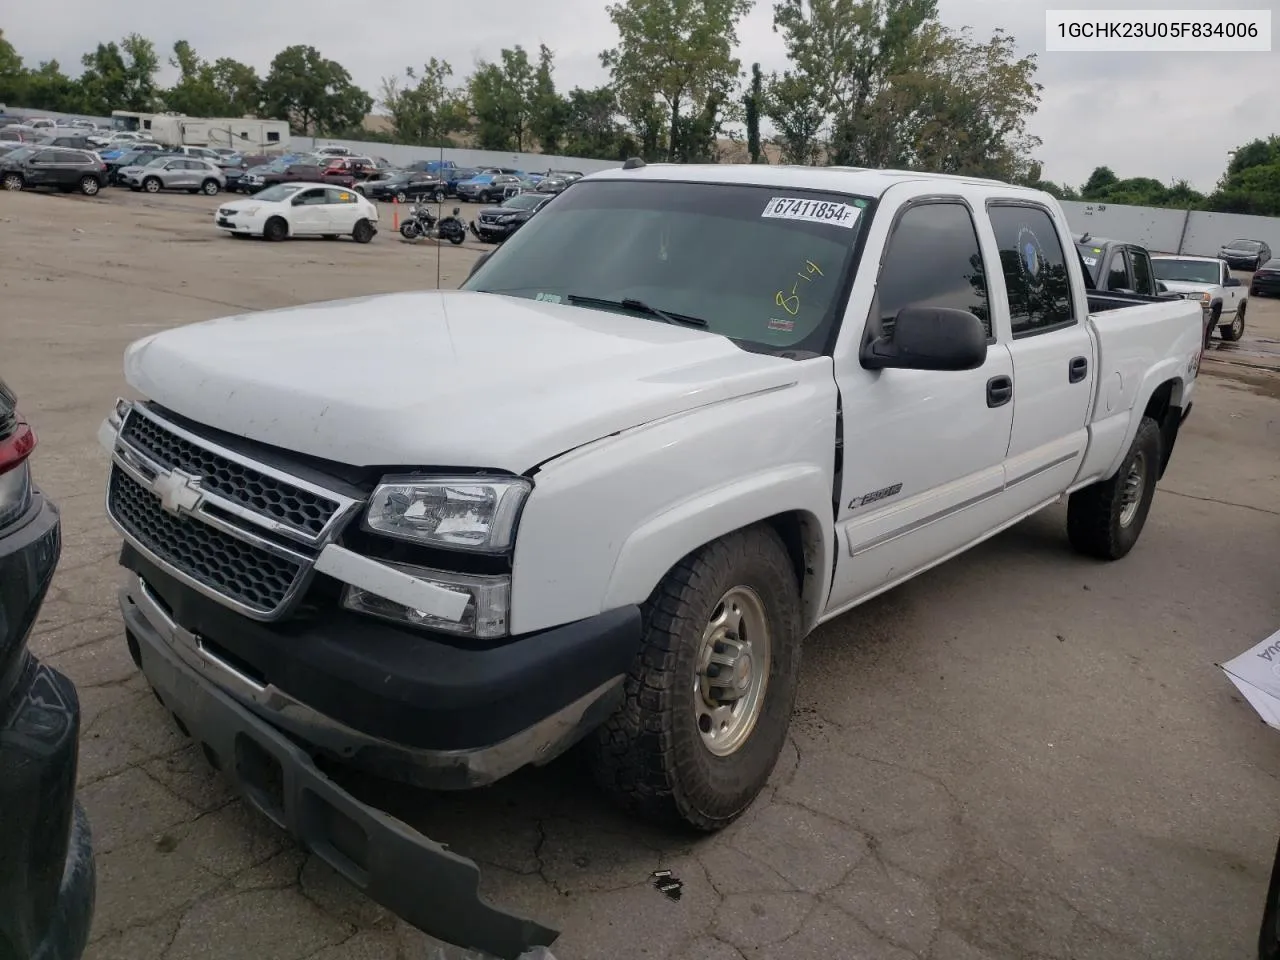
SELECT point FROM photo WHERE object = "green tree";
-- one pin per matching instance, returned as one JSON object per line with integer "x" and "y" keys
{"x": 425, "y": 109}
{"x": 120, "y": 76}
{"x": 1100, "y": 181}
{"x": 793, "y": 106}
{"x": 752, "y": 104}
{"x": 502, "y": 101}
{"x": 314, "y": 94}
{"x": 678, "y": 53}
{"x": 548, "y": 111}
{"x": 196, "y": 93}
{"x": 13, "y": 75}
{"x": 895, "y": 87}
{"x": 48, "y": 88}
{"x": 591, "y": 126}
{"x": 1251, "y": 183}
{"x": 239, "y": 86}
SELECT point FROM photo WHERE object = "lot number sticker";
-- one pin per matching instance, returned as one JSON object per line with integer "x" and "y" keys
{"x": 813, "y": 211}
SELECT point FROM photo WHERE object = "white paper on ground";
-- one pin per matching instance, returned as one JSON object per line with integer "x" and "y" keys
{"x": 1256, "y": 674}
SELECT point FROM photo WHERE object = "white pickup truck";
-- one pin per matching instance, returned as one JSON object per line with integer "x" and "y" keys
{"x": 605, "y": 491}
{"x": 1208, "y": 282}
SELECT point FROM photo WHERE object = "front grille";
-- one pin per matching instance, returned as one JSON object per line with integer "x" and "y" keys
{"x": 300, "y": 510}
{"x": 224, "y": 564}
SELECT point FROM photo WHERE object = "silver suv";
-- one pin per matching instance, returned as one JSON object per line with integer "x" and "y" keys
{"x": 175, "y": 173}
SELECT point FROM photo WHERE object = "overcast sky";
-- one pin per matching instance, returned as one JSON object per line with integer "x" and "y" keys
{"x": 1167, "y": 115}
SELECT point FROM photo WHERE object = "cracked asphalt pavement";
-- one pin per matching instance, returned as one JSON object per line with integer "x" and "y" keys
{"x": 1021, "y": 754}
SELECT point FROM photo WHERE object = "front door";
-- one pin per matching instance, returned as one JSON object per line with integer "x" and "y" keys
{"x": 923, "y": 451}
{"x": 1053, "y": 355}
{"x": 310, "y": 213}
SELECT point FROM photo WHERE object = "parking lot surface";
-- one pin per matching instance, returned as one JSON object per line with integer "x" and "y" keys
{"x": 1021, "y": 754}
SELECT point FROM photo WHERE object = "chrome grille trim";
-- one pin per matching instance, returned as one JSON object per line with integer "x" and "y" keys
{"x": 224, "y": 515}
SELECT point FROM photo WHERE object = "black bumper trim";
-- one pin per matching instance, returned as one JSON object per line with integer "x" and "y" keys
{"x": 404, "y": 686}
{"x": 411, "y": 875}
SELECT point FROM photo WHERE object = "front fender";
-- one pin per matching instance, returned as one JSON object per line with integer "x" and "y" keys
{"x": 1172, "y": 368}
{"x": 665, "y": 539}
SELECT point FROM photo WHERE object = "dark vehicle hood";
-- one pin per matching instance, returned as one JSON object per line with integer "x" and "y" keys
{"x": 506, "y": 212}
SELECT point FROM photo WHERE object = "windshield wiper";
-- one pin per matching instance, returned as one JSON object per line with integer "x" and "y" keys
{"x": 629, "y": 303}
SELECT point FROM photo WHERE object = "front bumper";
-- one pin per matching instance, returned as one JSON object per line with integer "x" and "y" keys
{"x": 418, "y": 879}
{"x": 392, "y": 701}
{"x": 493, "y": 232}
{"x": 46, "y": 859}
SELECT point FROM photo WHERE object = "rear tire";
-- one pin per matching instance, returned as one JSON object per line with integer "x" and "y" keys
{"x": 363, "y": 231}
{"x": 90, "y": 186}
{"x": 210, "y": 188}
{"x": 1234, "y": 330}
{"x": 1105, "y": 519}
{"x": 665, "y": 755}
{"x": 275, "y": 229}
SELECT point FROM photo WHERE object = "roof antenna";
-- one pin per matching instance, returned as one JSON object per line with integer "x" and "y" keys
{"x": 439, "y": 214}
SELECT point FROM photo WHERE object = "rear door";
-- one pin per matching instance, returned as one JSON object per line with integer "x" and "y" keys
{"x": 341, "y": 209}
{"x": 1053, "y": 353}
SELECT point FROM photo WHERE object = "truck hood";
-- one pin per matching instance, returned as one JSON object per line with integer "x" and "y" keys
{"x": 440, "y": 379}
{"x": 1182, "y": 286}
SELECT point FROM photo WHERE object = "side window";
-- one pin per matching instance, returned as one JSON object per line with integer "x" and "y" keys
{"x": 45, "y": 156}
{"x": 932, "y": 260}
{"x": 1035, "y": 270}
{"x": 311, "y": 198}
{"x": 1143, "y": 282}
{"x": 341, "y": 196}
{"x": 1118, "y": 271}
{"x": 1225, "y": 270}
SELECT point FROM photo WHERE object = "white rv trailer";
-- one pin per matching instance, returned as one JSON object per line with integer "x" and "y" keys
{"x": 245, "y": 134}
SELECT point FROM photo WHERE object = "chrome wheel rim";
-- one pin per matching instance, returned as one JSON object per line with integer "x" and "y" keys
{"x": 732, "y": 671}
{"x": 13, "y": 183}
{"x": 1237, "y": 326}
{"x": 90, "y": 187}
{"x": 1131, "y": 493}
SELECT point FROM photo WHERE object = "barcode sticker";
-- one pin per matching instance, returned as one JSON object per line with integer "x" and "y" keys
{"x": 812, "y": 211}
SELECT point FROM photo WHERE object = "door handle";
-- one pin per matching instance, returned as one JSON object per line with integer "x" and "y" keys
{"x": 999, "y": 391}
{"x": 1078, "y": 369}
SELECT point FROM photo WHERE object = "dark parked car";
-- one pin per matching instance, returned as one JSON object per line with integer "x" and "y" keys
{"x": 1245, "y": 254}
{"x": 72, "y": 141}
{"x": 486, "y": 187}
{"x": 66, "y": 170}
{"x": 557, "y": 181}
{"x": 242, "y": 165}
{"x": 1117, "y": 266}
{"x": 405, "y": 186}
{"x": 306, "y": 173}
{"x": 1266, "y": 280}
{"x": 495, "y": 224}
{"x": 46, "y": 852}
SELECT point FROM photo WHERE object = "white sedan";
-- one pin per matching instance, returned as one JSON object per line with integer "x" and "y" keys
{"x": 300, "y": 210}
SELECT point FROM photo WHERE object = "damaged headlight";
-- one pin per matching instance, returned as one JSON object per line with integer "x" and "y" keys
{"x": 456, "y": 513}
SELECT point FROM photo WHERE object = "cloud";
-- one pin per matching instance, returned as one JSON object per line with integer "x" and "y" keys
{"x": 1165, "y": 115}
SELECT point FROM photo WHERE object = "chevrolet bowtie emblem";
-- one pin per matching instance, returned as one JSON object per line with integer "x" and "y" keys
{"x": 178, "y": 492}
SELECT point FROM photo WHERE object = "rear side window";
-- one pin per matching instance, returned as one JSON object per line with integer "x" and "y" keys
{"x": 1143, "y": 282}
{"x": 1036, "y": 278}
{"x": 1118, "y": 272}
{"x": 932, "y": 260}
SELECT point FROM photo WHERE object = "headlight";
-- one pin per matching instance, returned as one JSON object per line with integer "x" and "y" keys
{"x": 485, "y": 617}
{"x": 246, "y": 211}
{"x": 461, "y": 513}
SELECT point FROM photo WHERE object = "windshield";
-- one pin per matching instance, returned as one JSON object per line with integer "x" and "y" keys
{"x": 1186, "y": 271}
{"x": 523, "y": 201}
{"x": 20, "y": 154}
{"x": 764, "y": 266}
{"x": 155, "y": 161}
{"x": 1091, "y": 256}
{"x": 281, "y": 191}
{"x": 1248, "y": 246}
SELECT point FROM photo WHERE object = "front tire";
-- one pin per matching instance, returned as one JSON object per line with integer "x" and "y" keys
{"x": 410, "y": 230}
{"x": 1105, "y": 519}
{"x": 13, "y": 181}
{"x": 275, "y": 229}
{"x": 1234, "y": 330}
{"x": 683, "y": 747}
{"x": 484, "y": 197}
{"x": 151, "y": 185}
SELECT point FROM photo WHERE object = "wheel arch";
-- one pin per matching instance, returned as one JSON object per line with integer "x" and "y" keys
{"x": 1164, "y": 406}
{"x": 785, "y": 500}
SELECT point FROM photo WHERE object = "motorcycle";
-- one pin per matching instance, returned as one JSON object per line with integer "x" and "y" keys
{"x": 451, "y": 228}
{"x": 419, "y": 223}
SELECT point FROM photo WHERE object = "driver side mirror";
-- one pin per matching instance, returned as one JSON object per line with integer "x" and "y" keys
{"x": 1233, "y": 282}
{"x": 1160, "y": 287}
{"x": 929, "y": 338}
